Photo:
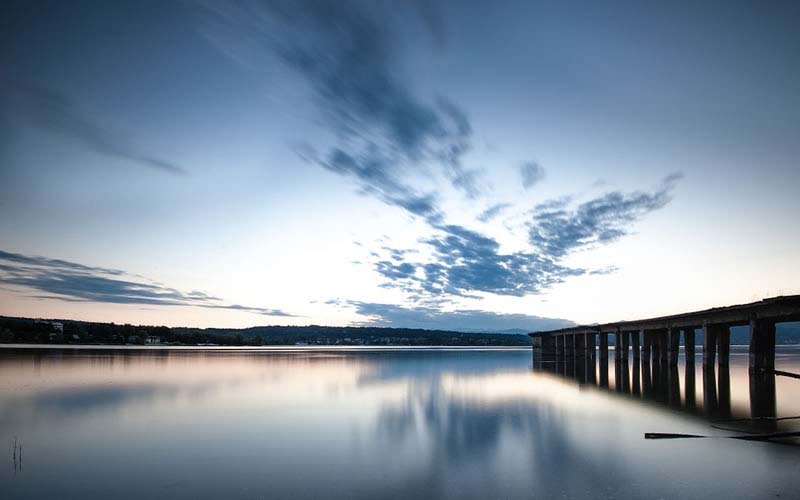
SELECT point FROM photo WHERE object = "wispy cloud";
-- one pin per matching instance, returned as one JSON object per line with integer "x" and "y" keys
{"x": 70, "y": 281}
{"x": 464, "y": 262}
{"x": 51, "y": 112}
{"x": 556, "y": 230}
{"x": 493, "y": 211}
{"x": 532, "y": 173}
{"x": 466, "y": 320}
{"x": 349, "y": 55}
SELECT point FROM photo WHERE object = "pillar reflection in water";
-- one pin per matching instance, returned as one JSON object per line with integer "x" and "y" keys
{"x": 724, "y": 391}
{"x": 673, "y": 386}
{"x": 691, "y": 397}
{"x": 762, "y": 394}
{"x": 709, "y": 390}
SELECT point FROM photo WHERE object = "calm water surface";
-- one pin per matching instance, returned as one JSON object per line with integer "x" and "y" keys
{"x": 384, "y": 423}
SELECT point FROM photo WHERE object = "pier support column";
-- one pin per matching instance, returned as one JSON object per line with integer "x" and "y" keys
{"x": 663, "y": 347}
{"x": 673, "y": 345}
{"x": 647, "y": 347}
{"x": 709, "y": 344}
{"x": 591, "y": 345}
{"x": 569, "y": 346}
{"x": 617, "y": 346}
{"x": 762, "y": 344}
{"x": 635, "y": 345}
{"x": 580, "y": 345}
{"x": 724, "y": 345}
{"x": 688, "y": 344}
{"x": 547, "y": 348}
{"x": 603, "y": 346}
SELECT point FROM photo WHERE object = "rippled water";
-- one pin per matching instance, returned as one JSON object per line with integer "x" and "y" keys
{"x": 383, "y": 423}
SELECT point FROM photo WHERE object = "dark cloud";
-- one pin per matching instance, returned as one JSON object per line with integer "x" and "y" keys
{"x": 493, "y": 211}
{"x": 49, "y": 111}
{"x": 556, "y": 230}
{"x": 532, "y": 173}
{"x": 69, "y": 281}
{"x": 465, "y": 262}
{"x": 389, "y": 315}
{"x": 349, "y": 55}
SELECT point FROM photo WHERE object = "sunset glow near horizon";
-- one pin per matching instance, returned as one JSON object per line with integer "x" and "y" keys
{"x": 451, "y": 165}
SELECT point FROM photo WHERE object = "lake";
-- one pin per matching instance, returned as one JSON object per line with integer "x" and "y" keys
{"x": 385, "y": 423}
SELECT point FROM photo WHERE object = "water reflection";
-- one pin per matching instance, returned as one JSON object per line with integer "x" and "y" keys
{"x": 659, "y": 382}
{"x": 378, "y": 423}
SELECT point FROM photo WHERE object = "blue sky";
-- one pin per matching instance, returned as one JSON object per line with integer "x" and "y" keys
{"x": 465, "y": 165}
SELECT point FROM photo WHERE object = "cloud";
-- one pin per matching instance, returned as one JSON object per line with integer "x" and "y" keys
{"x": 348, "y": 53}
{"x": 466, "y": 320}
{"x": 49, "y": 111}
{"x": 532, "y": 173}
{"x": 72, "y": 282}
{"x": 493, "y": 211}
{"x": 464, "y": 262}
{"x": 556, "y": 231}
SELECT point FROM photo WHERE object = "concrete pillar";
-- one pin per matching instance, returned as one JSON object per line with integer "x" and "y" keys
{"x": 569, "y": 354}
{"x": 647, "y": 347}
{"x": 673, "y": 345}
{"x": 663, "y": 347}
{"x": 591, "y": 345}
{"x": 580, "y": 345}
{"x": 544, "y": 350}
{"x": 603, "y": 346}
{"x": 709, "y": 344}
{"x": 762, "y": 344}
{"x": 636, "y": 387}
{"x": 635, "y": 344}
{"x": 617, "y": 346}
{"x": 569, "y": 345}
{"x": 655, "y": 343}
{"x": 688, "y": 344}
{"x": 724, "y": 345}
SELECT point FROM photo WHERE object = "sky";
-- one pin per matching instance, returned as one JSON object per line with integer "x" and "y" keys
{"x": 457, "y": 165}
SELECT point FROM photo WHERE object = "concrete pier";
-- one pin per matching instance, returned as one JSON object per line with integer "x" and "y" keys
{"x": 688, "y": 344}
{"x": 603, "y": 346}
{"x": 661, "y": 336}
{"x": 673, "y": 345}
